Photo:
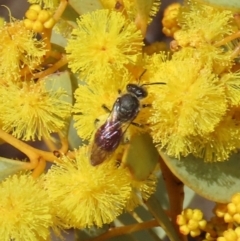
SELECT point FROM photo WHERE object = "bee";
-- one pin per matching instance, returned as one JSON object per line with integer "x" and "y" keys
{"x": 125, "y": 109}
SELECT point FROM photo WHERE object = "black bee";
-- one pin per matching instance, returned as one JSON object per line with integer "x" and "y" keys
{"x": 125, "y": 109}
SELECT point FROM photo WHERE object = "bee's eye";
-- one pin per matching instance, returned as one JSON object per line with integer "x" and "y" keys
{"x": 137, "y": 90}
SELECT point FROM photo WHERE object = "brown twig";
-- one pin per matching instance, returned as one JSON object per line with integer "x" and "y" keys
{"x": 175, "y": 193}
{"x": 60, "y": 63}
{"x": 113, "y": 232}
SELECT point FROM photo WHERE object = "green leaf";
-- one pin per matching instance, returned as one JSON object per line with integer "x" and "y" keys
{"x": 154, "y": 206}
{"x": 74, "y": 140}
{"x": 61, "y": 80}
{"x": 215, "y": 181}
{"x": 9, "y": 167}
{"x": 70, "y": 14}
{"x": 141, "y": 156}
{"x": 225, "y": 4}
{"x": 85, "y": 6}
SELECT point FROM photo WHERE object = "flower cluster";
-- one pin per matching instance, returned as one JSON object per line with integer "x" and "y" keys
{"x": 37, "y": 19}
{"x": 25, "y": 209}
{"x": 223, "y": 226}
{"x": 191, "y": 222}
{"x": 197, "y": 111}
{"x": 83, "y": 195}
{"x": 189, "y": 104}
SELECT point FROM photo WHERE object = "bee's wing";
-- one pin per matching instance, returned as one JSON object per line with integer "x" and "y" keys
{"x": 106, "y": 140}
{"x": 97, "y": 155}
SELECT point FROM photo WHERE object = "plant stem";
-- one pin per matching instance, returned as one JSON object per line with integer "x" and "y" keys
{"x": 60, "y": 63}
{"x": 39, "y": 169}
{"x": 113, "y": 232}
{"x": 150, "y": 231}
{"x": 175, "y": 194}
{"x": 32, "y": 153}
{"x": 61, "y": 8}
{"x": 227, "y": 39}
{"x": 154, "y": 206}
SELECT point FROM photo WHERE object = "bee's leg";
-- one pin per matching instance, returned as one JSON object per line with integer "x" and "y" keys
{"x": 146, "y": 105}
{"x": 106, "y": 108}
{"x": 137, "y": 124}
{"x": 96, "y": 122}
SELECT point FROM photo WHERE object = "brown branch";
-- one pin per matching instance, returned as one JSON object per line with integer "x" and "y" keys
{"x": 175, "y": 193}
{"x": 60, "y": 63}
{"x": 113, "y": 232}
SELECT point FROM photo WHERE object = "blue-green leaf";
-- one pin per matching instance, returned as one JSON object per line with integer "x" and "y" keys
{"x": 141, "y": 156}
{"x": 226, "y": 4}
{"x": 215, "y": 181}
{"x": 9, "y": 167}
{"x": 85, "y": 6}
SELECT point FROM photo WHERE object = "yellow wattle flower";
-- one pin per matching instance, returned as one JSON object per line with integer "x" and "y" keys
{"x": 19, "y": 48}
{"x": 25, "y": 209}
{"x": 222, "y": 142}
{"x": 194, "y": 21}
{"x": 183, "y": 108}
{"x": 30, "y": 111}
{"x": 103, "y": 44}
{"x": 83, "y": 195}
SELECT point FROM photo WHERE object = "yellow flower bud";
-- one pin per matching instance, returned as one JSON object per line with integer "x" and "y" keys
{"x": 37, "y": 27}
{"x": 49, "y": 24}
{"x": 43, "y": 16}
{"x": 197, "y": 214}
{"x": 236, "y": 198}
{"x": 31, "y": 14}
{"x": 238, "y": 208}
{"x": 202, "y": 224}
{"x": 237, "y": 231}
{"x": 181, "y": 220}
{"x": 188, "y": 213}
{"x": 184, "y": 230}
{"x": 221, "y": 239}
{"x": 36, "y": 7}
{"x": 236, "y": 217}
{"x": 230, "y": 235}
{"x": 220, "y": 210}
{"x": 169, "y": 21}
{"x": 192, "y": 224}
{"x": 28, "y": 24}
{"x": 195, "y": 233}
{"x": 228, "y": 218}
{"x": 231, "y": 208}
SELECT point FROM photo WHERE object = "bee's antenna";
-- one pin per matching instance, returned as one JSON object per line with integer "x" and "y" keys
{"x": 155, "y": 83}
{"x": 141, "y": 75}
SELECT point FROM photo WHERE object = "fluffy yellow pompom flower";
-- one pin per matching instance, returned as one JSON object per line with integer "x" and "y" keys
{"x": 191, "y": 103}
{"x": 222, "y": 142}
{"x": 19, "y": 48}
{"x": 25, "y": 210}
{"x": 195, "y": 28}
{"x": 29, "y": 110}
{"x": 83, "y": 195}
{"x": 103, "y": 44}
